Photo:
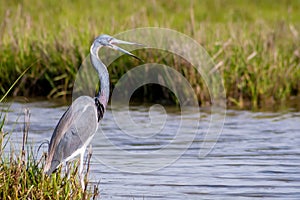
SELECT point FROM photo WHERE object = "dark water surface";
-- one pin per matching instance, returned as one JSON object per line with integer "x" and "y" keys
{"x": 257, "y": 155}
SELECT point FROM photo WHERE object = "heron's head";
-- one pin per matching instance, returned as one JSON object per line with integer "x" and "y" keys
{"x": 111, "y": 42}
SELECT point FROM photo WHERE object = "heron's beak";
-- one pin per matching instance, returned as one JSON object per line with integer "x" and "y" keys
{"x": 116, "y": 41}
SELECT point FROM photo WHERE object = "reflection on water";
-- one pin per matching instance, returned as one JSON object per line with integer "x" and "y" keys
{"x": 257, "y": 155}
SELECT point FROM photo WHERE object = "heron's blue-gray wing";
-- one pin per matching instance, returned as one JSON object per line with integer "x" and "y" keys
{"x": 77, "y": 125}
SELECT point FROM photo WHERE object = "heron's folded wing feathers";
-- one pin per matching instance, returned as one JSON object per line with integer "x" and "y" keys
{"x": 77, "y": 124}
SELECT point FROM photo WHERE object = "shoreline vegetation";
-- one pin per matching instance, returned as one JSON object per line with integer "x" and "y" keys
{"x": 254, "y": 44}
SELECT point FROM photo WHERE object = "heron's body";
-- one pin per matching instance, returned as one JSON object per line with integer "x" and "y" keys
{"x": 79, "y": 123}
{"x": 72, "y": 133}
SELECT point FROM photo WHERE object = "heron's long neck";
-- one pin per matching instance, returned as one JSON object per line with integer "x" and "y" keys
{"x": 101, "y": 69}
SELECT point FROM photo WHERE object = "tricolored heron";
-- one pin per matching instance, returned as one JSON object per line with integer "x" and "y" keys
{"x": 79, "y": 123}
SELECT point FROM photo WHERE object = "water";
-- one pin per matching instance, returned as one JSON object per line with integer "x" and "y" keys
{"x": 257, "y": 155}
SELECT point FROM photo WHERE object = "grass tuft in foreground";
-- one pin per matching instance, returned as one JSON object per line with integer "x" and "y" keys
{"x": 22, "y": 177}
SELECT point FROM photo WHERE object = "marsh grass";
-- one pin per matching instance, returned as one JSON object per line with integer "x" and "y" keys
{"x": 22, "y": 177}
{"x": 255, "y": 44}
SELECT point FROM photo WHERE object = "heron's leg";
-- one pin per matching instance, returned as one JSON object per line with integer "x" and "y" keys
{"x": 81, "y": 170}
{"x": 67, "y": 169}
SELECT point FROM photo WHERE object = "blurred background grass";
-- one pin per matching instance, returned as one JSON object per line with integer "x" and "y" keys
{"x": 255, "y": 44}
